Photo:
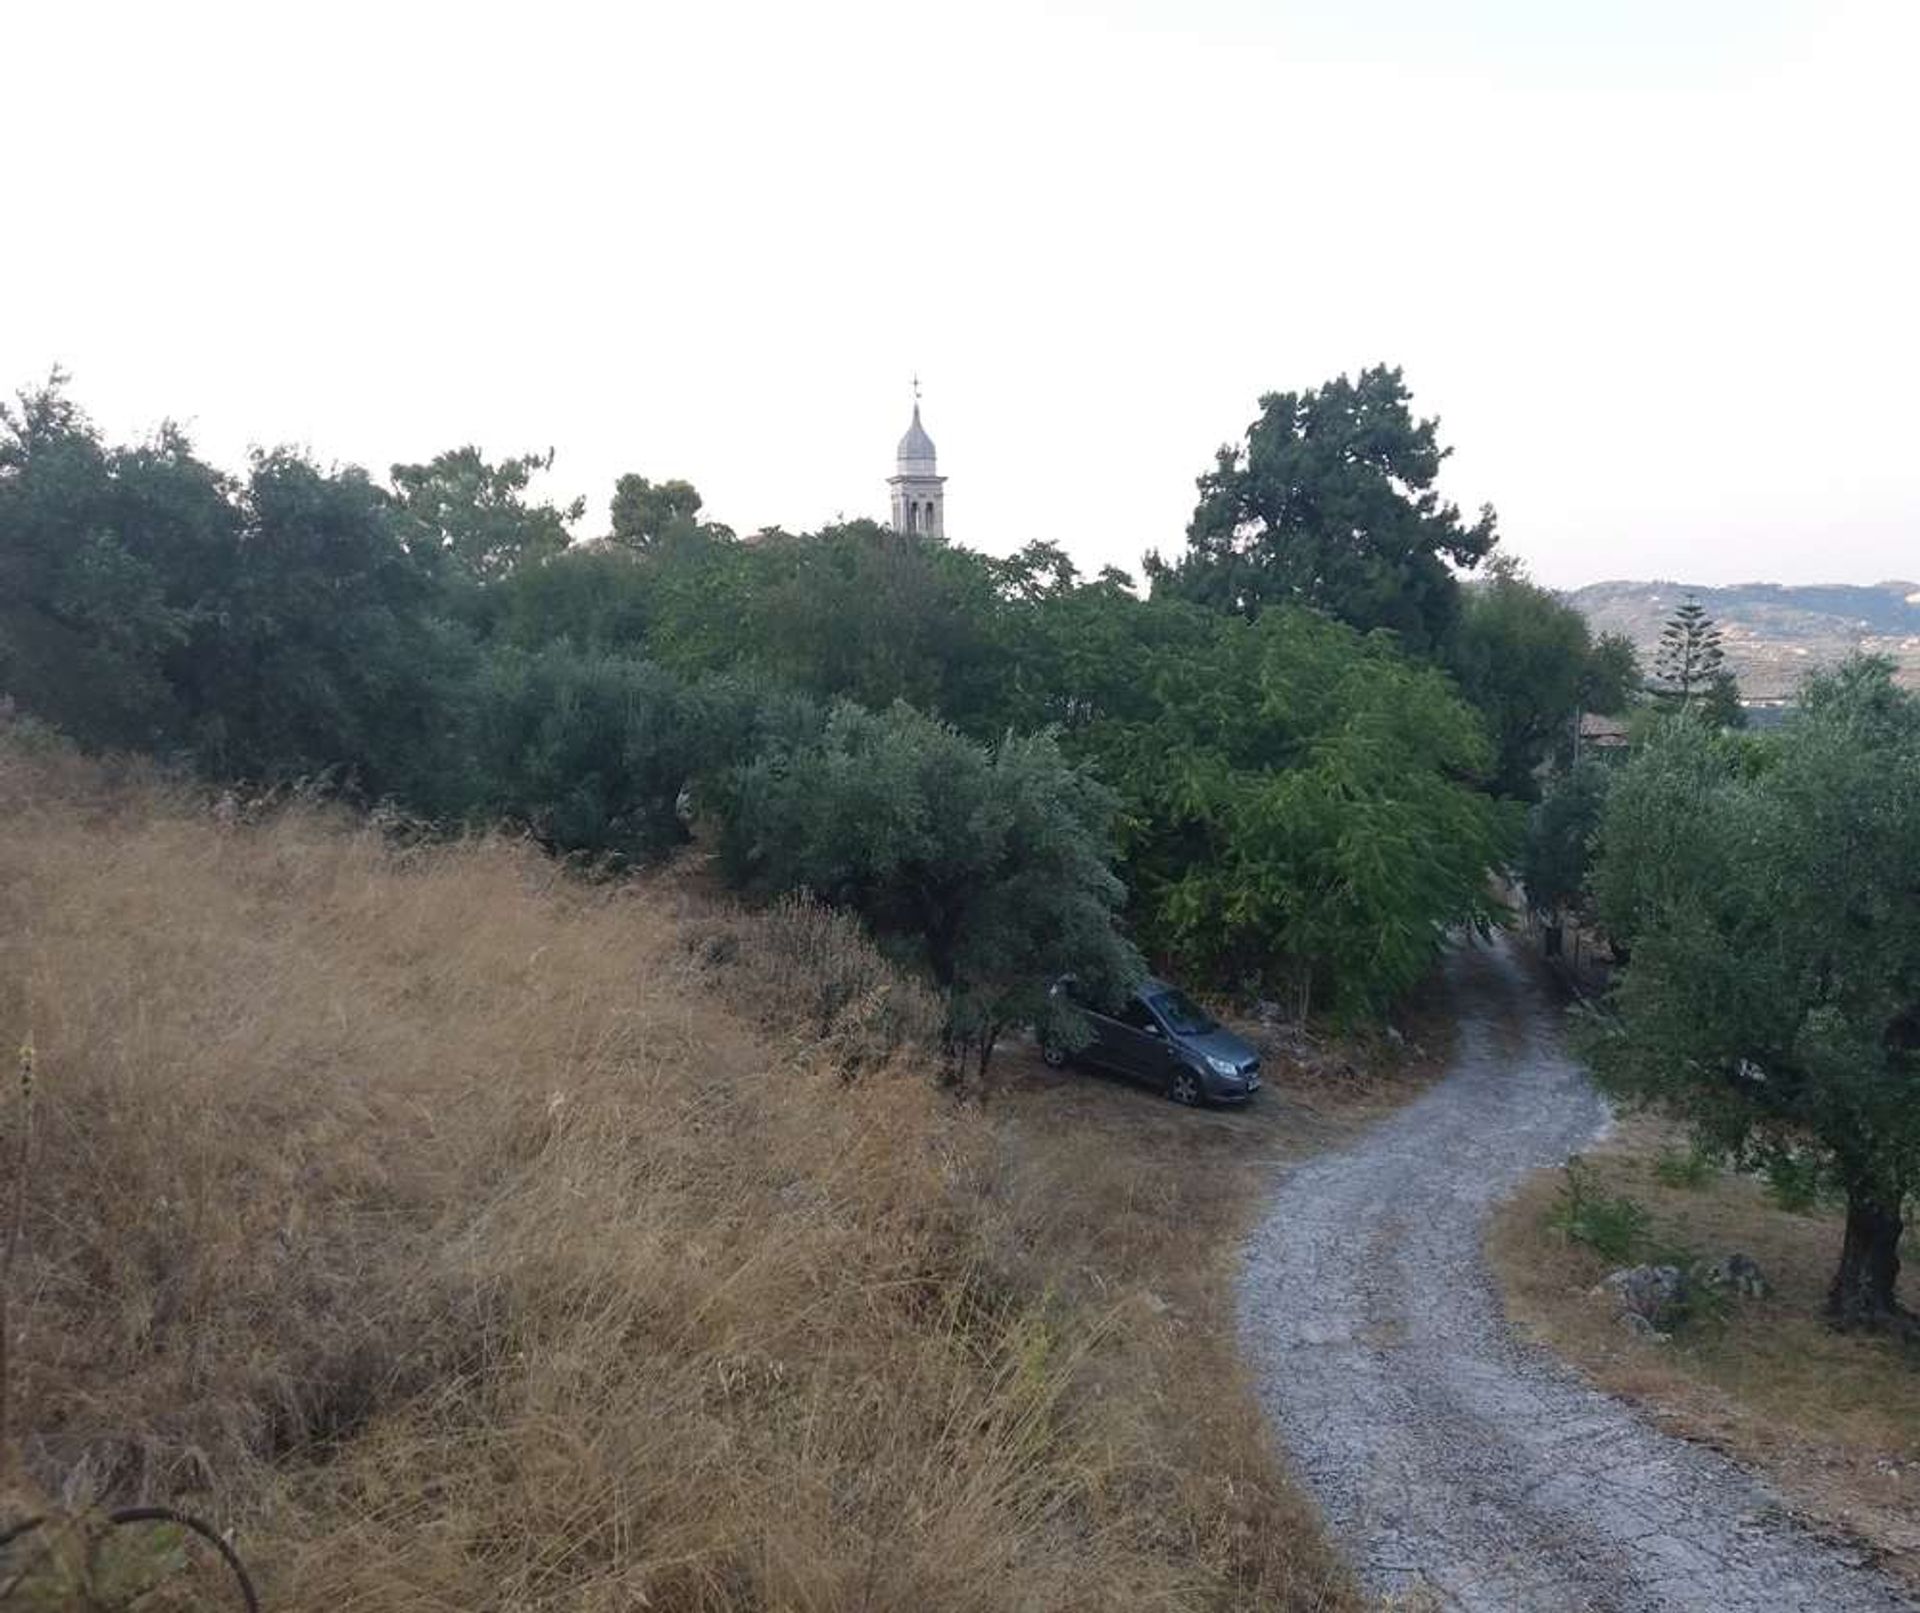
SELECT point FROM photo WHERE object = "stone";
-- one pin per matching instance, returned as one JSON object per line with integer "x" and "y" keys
{"x": 1734, "y": 1274}
{"x": 1641, "y": 1328}
{"x": 1655, "y": 1294}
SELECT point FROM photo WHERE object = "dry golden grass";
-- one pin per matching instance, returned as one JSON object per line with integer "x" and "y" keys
{"x": 460, "y": 1235}
{"x": 1832, "y": 1419}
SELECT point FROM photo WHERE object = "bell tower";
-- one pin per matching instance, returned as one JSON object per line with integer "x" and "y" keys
{"x": 919, "y": 503}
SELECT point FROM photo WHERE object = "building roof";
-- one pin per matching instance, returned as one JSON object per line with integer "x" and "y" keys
{"x": 915, "y": 454}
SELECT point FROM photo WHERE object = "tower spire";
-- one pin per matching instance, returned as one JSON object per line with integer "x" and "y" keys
{"x": 919, "y": 497}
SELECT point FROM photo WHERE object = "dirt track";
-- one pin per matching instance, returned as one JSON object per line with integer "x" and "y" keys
{"x": 1448, "y": 1456}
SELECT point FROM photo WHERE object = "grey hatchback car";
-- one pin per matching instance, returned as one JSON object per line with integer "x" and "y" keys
{"x": 1160, "y": 1036}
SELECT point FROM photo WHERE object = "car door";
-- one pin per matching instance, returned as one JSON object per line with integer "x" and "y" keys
{"x": 1140, "y": 1046}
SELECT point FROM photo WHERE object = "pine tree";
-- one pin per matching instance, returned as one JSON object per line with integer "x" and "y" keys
{"x": 1690, "y": 659}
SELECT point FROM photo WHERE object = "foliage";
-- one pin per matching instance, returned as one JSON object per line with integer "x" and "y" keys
{"x": 1797, "y": 1181}
{"x": 1611, "y": 679}
{"x": 595, "y": 596}
{"x": 1689, "y": 1168}
{"x": 1303, "y": 804}
{"x": 861, "y": 613}
{"x": 330, "y": 656}
{"x": 645, "y": 513}
{"x": 1613, "y": 1225}
{"x": 475, "y": 516}
{"x": 1768, "y": 891}
{"x": 1556, "y": 858}
{"x": 1524, "y": 657}
{"x": 112, "y": 563}
{"x": 591, "y": 751}
{"x": 1331, "y": 504}
{"x": 812, "y": 974}
{"x": 1298, "y": 806}
{"x": 1690, "y": 663}
{"x": 988, "y": 865}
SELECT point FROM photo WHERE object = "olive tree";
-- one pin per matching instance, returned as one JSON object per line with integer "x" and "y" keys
{"x": 1770, "y": 892}
{"x": 988, "y": 865}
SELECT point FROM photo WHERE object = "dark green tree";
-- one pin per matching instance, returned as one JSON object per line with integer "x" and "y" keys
{"x": 1330, "y": 504}
{"x": 1556, "y": 859}
{"x": 592, "y": 752}
{"x": 990, "y": 866}
{"x": 475, "y": 516}
{"x": 594, "y": 596}
{"x": 1690, "y": 657}
{"x": 113, "y": 562}
{"x": 1611, "y": 680}
{"x": 333, "y": 657}
{"x": 1524, "y": 657}
{"x": 1770, "y": 892}
{"x": 646, "y": 513}
{"x": 1300, "y": 806}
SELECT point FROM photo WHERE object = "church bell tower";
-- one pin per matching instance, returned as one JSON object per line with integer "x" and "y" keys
{"x": 918, "y": 500}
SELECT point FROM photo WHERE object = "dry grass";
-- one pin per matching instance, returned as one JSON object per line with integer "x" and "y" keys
{"x": 1833, "y": 1420}
{"x": 459, "y": 1235}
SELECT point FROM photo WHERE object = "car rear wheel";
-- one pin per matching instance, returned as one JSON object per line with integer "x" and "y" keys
{"x": 1183, "y": 1086}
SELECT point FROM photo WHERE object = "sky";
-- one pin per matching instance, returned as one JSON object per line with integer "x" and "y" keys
{"x": 1655, "y": 264}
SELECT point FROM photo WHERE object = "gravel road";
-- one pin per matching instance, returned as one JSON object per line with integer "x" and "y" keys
{"x": 1449, "y": 1457}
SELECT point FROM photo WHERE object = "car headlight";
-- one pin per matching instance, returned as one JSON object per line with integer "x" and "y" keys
{"x": 1222, "y": 1066}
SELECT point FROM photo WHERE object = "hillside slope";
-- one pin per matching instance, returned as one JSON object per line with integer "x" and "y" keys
{"x": 466, "y": 1236}
{"x": 1775, "y": 634}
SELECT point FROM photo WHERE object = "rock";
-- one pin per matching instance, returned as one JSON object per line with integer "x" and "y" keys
{"x": 1734, "y": 1274}
{"x": 1654, "y": 1294}
{"x": 1641, "y": 1328}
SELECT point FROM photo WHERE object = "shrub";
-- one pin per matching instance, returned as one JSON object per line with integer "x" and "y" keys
{"x": 989, "y": 867}
{"x": 590, "y": 751}
{"x": 1795, "y": 1181}
{"x": 1688, "y": 1168}
{"x": 1614, "y": 1226}
{"x": 812, "y": 973}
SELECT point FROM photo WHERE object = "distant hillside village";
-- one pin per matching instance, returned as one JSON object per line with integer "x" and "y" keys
{"x": 1773, "y": 634}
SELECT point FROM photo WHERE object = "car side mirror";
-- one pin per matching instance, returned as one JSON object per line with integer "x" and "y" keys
{"x": 1153, "y": 1030}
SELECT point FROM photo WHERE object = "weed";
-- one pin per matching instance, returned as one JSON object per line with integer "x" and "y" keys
{"x": 1795, "y": 1182}
{"x": 1614, "y": 1226}
{"x": 464, "y": 1236}
{"x": 1688, "y": 1168}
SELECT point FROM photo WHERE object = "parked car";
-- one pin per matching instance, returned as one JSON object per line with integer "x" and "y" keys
{"x": 1159, "y": 1035}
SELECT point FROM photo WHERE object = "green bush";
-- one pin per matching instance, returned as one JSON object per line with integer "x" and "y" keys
{"x": 1687, "y": 1168}
{"x": 1614, "y": 1226}
{"x": 987, "y": 866}
{"x": 1795, "y": 1182}
{"x": 591, "y": 751}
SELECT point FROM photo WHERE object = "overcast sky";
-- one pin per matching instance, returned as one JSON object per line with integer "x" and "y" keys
{"x": 1654, "y": 263}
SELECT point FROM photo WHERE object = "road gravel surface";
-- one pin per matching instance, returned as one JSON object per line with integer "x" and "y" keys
{"x": 1459, "y": 1467}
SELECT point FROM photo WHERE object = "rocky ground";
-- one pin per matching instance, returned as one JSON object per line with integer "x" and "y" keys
{"x": 1453, "y": 1462}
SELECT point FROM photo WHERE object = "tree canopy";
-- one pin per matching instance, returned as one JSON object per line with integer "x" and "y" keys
{"x": 1331, "y": 504}
{"x": 1528, "y": 661}
{"x": 989, "y": 864}
{"x": 1008, "y": 768}
{"x": 1770, "y": 892}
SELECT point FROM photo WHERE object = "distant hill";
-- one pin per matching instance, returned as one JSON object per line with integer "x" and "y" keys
{"x": 1774, "y": 634}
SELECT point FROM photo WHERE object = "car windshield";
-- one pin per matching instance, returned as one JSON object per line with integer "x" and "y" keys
{"x": 1183, "y": 1015}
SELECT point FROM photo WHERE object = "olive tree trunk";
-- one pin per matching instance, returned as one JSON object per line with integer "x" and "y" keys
{"x": 1864, "y": 1288}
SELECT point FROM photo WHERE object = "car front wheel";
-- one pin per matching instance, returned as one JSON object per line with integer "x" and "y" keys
{"x": 1053, "y": 1055}
{"x": 1183, "y": 1086}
